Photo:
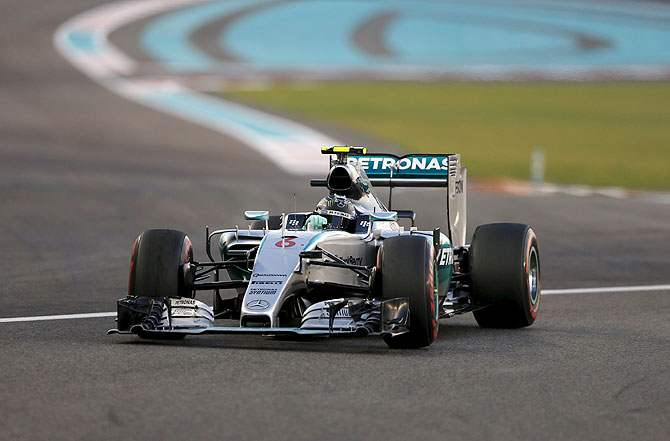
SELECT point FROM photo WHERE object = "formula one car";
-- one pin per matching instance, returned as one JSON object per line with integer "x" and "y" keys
{"x": 346, "y": 269}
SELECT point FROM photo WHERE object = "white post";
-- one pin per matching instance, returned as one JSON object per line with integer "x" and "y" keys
{"x": 537, "y": 163}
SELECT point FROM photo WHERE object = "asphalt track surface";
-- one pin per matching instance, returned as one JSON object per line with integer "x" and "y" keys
{"x": 83, "y": 171}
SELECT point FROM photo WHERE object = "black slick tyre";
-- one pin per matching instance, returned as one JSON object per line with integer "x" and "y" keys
{"x": 504, "y": 266}
{"x": 157, "y": 265}
{"x": 406, "y": 265}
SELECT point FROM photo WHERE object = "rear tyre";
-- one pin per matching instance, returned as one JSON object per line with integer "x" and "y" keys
{"x": 407, "y": 270}
{"x": 157, "y": 265}
{"x": 504, "y": 266}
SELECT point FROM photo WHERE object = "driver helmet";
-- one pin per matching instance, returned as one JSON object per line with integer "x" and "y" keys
{"x": 338, "y": 211}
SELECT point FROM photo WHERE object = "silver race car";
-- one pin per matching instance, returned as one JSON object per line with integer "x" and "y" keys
{"x": 346, "y": 269}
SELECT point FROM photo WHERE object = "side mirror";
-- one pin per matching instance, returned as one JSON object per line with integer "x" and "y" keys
{"x": 407, "y": 214}
{"x": 384, "y": 216}
{"x": 257, "y": 215}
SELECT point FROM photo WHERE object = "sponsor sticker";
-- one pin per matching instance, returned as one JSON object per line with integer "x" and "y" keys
{"x": 262, "y": 291}
{"x": 269, "y": 275}
{"x": 458, "y": 186}
{"x": 407, "y": 166}
{"x": 183, "y": 302}
{"x": 351, "y": 260}
{"x": 267, "y": 282}
{"x": 336, "y": 213}
{"x": 445, "y": 256}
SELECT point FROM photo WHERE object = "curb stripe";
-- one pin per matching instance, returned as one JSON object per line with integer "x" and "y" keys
{"x": 83, "y": 41}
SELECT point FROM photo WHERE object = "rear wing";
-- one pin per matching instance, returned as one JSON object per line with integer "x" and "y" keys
{"x": 388, "y": 170}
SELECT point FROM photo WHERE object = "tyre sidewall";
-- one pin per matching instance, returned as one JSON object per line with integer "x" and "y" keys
{"x": 157, "y": 265}
{"x": 501, "y": 258}
{"x": 531, "y": 298}
{"x": 407, "y": 268}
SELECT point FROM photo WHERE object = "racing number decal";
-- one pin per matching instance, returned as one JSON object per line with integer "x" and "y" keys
{"x": 286, "y": 243}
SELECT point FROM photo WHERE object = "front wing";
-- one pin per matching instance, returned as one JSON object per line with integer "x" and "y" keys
{"x": 149, "y": 333}
{"x": 165, "y": 318}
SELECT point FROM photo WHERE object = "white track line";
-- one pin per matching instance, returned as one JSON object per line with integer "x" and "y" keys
{"x": 608, "y": 289}
{"x": 544, "y": 292}
{"x": 57, "y": 317}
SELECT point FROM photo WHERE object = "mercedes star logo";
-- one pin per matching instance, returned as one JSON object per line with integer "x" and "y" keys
{"x": 258, "y": 304}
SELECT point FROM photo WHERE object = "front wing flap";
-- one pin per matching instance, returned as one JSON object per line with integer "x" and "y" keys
{"x": 149, "y": 333}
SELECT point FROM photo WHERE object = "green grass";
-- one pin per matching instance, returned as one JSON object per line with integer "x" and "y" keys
{"x": 603, "y": 134}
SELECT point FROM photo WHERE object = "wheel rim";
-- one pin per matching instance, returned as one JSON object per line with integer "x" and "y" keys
{"x": 533, "y": 276}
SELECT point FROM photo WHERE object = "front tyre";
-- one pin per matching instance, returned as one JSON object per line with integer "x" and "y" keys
{"x": 406, "y": 264}
{"x": 157, "y": 265}
{"x": 504, "y": 266}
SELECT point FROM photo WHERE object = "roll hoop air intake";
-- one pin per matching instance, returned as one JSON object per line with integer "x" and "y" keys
{"x": 343, "y": 179}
